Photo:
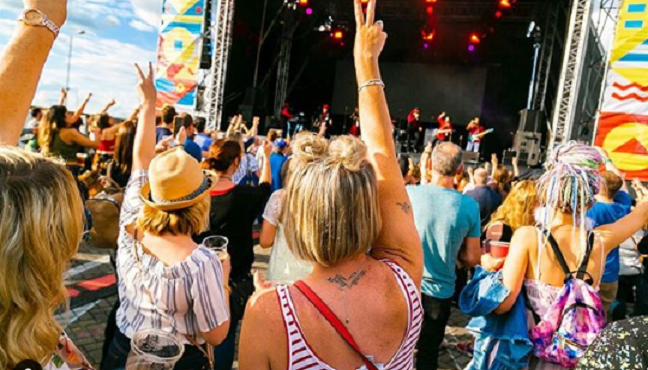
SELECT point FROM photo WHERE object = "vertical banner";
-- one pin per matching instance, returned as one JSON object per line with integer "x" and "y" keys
{"x": 179, "y": 51}
{"x": 623, "y": 121}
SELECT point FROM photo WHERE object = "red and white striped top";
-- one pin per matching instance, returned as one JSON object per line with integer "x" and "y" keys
{"x": 302, "y": 357}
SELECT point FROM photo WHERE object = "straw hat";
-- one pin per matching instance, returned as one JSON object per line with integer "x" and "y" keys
{"x": 175, "y": 181}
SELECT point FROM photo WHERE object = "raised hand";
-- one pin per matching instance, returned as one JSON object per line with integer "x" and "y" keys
{"x": 369, "y": 42}
{"x": 267, "y": 148}
{"x": 146, "y": 85}
{"x": 87, "y": 97}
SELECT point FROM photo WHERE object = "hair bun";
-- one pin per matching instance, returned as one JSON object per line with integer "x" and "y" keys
{"x": 308, "y": 148}
{"x": 349, "y": 152}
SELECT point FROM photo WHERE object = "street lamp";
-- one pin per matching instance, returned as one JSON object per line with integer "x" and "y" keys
{"x": 69, "y": 63}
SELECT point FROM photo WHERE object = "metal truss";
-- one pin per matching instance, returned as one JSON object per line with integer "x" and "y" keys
{"x": 285, "y": 49}
{"x": 549, "y": 44}
{"x": 572, "y": 67}
{"x": 221, "y": 33}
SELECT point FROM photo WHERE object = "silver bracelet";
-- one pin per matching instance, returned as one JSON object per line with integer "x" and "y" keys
{"x": 371, "y": 83}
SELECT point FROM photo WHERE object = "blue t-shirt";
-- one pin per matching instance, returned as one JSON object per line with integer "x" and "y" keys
{"x": 193, "y": 149}
{"x": 488, "y": 200}
{"x": 277, "y": 161}
{"x": 161, "y": 133}
{"x": 605, "y": 214}
{"x": 204, "y": 141}
{"x": 443, "y": 218}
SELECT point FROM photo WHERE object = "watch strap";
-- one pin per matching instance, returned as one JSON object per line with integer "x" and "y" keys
{"x": 51, "y": 26}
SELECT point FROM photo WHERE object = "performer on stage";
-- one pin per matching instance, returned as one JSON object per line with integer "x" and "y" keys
{"x": 475, "y": 129}
{"x": 414, "y": 130}
{"x": 286, "y": 117}
{"x": 445, "y": 127}
{"x": 322, "y": 118}
{"x": 355, "y": 126}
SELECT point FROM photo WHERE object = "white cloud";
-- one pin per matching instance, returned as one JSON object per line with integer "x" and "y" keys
{"x": 149, "y": 11}
{"x": 113, "y": 20}
{"x": 141, "y": 26}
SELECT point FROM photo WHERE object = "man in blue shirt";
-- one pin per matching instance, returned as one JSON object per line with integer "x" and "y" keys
{"x": 449, "y": 226}
{"x": 485, "y": 196}
{"x": 277, "y": 160}
{"x": 612, "y": 204}
{"x": 203, "y": 140}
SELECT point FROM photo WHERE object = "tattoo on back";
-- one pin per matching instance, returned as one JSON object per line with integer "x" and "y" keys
{"x": 405, "y": 207}
{"x": 344, "y": 283}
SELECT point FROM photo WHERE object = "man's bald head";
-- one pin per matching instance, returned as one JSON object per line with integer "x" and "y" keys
{"x": 446, "y": 159}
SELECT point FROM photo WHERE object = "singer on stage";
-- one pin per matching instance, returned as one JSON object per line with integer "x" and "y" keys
{"x": 414, "y": 131}
{"x": 445, "y": 127}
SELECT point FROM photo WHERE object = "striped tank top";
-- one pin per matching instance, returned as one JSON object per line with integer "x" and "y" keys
{"x": 302, "y": 357}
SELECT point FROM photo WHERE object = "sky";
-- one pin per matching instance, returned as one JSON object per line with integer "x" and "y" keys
{"x": 118, "y": 33}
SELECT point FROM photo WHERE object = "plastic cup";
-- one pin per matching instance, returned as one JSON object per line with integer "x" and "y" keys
{"x": 154, "y": 349}
{"x": 499, "y": 249}
{"x": 218, "y": 244}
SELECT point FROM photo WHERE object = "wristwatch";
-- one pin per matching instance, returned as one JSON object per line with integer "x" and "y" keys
{"x": 36, "y": 18}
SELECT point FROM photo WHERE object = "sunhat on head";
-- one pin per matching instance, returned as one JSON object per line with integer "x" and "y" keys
{"x": 176, "y": 181}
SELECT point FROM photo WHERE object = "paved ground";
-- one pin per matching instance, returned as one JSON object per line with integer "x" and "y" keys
{"x": 90, "y": 283}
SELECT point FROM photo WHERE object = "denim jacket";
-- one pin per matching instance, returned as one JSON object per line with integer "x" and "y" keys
{"x": 501, "y": 341}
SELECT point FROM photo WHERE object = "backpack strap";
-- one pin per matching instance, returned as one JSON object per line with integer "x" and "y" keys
{"x": 582, "y": 270}
{"x": 561, "y": 259}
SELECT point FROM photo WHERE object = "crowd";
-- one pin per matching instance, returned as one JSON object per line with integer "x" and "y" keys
{"x": 370, "y": 251}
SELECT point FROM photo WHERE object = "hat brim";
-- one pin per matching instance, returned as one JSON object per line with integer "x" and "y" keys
{"x": 145, "y": 195}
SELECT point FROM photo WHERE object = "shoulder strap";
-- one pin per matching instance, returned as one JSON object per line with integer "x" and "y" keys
{"x": 582, "y": 270}
{"x": 317, "y": 302}
{"x": 558, "y": 254}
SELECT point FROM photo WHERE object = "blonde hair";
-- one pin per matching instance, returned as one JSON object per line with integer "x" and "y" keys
{"x": 330, "y": 211}
{"x": 519, "y": 207}
{"x": 188, "y": 221}
{"x": 42, "y": 225}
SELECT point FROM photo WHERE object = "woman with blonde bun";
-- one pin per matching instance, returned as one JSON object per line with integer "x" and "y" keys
{"x": 347, "y": 213}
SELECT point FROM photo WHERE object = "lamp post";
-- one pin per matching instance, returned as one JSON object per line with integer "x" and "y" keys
{"x": 69, "y": 63}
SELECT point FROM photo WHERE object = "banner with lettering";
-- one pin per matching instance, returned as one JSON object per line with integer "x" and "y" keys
{"x": 623, "y": 121}
{"x": 179, "y": 51}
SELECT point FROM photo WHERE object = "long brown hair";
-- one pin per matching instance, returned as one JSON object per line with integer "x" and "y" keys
{"x": 49, "y": 127}
{"x": 222, "y": 154}
{"x": 124, "y": 142}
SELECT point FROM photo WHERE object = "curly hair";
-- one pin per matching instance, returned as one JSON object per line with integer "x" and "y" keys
{"x": 519, "y": 207}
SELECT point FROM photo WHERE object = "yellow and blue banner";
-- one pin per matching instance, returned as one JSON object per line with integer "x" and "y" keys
{"x": 623, "y": 121}
{"x": 179, "y": 52}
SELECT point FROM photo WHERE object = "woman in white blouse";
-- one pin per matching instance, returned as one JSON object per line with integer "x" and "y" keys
{"x": 166, "y": 281}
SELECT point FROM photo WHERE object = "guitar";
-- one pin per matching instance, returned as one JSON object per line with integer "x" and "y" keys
{"x": 479, "y": 136}
{"x": 437, "y": 132}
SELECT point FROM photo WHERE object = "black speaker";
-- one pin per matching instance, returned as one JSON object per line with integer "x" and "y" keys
{"x": 532, "y": 121}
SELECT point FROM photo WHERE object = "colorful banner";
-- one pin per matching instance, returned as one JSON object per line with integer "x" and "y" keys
{"x": 179, "y": 51}
{"x": 623, "y": 122}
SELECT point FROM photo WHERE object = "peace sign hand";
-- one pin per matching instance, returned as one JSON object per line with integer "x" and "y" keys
{"x": 369, "y": 42}
{"x": 146, "y": 85}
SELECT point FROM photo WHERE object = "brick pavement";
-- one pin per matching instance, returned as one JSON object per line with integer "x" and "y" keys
{"x": 85, "y": 321}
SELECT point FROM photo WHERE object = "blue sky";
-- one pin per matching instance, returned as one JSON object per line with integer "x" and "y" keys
{"x": 118, "y": 33}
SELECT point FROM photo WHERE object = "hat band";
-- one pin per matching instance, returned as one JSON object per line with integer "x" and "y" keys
{"x": 203, "y": 187}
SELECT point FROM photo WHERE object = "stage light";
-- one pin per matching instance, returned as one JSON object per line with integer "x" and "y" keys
{"x": 426, "y": 46}
{"x": 506, "y": 4}
{"x": 338, "y": 35}
{"x": 474, "y": 38}
{"x": 364, "y": 2}
{"x": 309, "y": 11}
{"x": 471, "y": 48}
{"x": 431, "y": 1}
{"x": 498, "y": 14}
{"x": 429, "y": 10}
{"x": 303, "y": 2}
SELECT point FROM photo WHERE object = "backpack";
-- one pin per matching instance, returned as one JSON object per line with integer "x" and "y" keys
{"x": 574, "y": 320}
{"x": 105, "y": 208}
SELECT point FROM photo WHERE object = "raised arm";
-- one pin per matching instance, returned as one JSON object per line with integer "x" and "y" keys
{"x": 62, "y": 96}
{"x": 135, "y": 113}
{"x": 398, "y": 239}
{"x": 614, "y": 234}
{"x": 144, "y": 147}
{"x": 255, "y": 126}
{"x": 82, "y": 107}
{"x": 109, "y": 105}
{"x": 266, "y": 174}
{"x": 21, "y": 66}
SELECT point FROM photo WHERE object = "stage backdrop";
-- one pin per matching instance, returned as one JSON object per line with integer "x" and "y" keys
{"x": 179, "y": 50}
{"x": 459, "y": 91}
{"x": 623, "y": 123}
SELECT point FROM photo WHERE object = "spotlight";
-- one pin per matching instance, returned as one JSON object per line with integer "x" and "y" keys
{"x": 364, "y": 2}
{"x": 338, "y": 35}
{"x": 426, "y": 46}
{"x": 498, "y": 14}
{"x": 309, "y": 11}
{"x": 431, "y": 1}
{"x": 471, "y": 48}
{"x": 429, "y": 10}
{"x": 474, "y": 38}
{"x": 303, "y": 2}
{"x": 506, "y": 4}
